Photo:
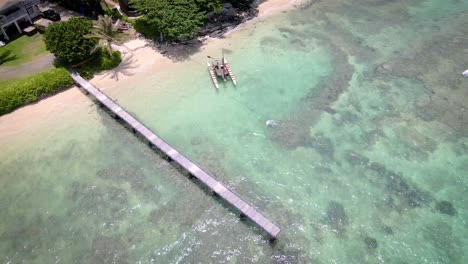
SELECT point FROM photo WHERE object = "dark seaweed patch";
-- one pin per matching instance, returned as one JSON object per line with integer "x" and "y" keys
{"x": 371, "y": 242}
{"x": 323, "y": 145}
{"x": 446, "y": 207}
{"x": 398, "y": 186}
{"x": 336, "y": 218}
{"x": 387, "y": 230}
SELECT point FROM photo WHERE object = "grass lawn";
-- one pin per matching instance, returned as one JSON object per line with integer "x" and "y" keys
{"x": 23, "y": 49}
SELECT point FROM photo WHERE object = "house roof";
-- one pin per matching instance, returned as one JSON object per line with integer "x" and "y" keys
{"x": 7, "y": 3}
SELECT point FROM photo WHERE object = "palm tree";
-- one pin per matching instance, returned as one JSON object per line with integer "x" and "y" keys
{"x": 123, "y": 6}
{"x": 104, "y": 30}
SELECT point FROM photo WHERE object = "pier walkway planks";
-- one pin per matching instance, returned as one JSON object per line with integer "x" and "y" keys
{"x": 220, "y": 189}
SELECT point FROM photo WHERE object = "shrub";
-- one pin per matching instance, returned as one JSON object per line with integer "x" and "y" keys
{"x": 33, "y": 88}
{"x": 66, "y": 39}
{"x": 102, "y": 61}
{"x": 146, "y": 27}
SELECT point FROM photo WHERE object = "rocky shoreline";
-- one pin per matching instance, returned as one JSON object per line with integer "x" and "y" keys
{"x": 228, "y": 18}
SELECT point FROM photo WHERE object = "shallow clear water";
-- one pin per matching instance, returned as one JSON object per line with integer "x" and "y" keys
{"x": 367, "y": 165}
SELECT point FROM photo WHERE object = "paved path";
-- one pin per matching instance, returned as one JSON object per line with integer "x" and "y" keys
{"x": 38, "y": 65}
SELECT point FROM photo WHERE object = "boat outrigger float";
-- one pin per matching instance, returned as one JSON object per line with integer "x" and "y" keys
{"x": 222, "y": 70}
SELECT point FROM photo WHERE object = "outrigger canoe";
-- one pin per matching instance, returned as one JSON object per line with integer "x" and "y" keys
{"x": 220, "y": 70}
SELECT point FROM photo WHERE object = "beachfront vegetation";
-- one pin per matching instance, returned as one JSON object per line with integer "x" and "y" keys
{"x": 102, "y": 60}
{"x": 66, "y": 40}
{"x": 177, "y": 19}
{"x": 168, "y": 19}
{"x": 31, "y": 89}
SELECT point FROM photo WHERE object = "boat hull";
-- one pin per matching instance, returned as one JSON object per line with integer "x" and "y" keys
{"x": 231, "y": 74}
{"x": 213, "y": 75}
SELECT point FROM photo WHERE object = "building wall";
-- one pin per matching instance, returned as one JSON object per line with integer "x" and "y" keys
{"x": 34, "y": 11}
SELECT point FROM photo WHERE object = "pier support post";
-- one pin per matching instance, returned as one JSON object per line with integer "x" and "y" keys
{"x": 272, "y": 240}
{"x": 242, "y": 216}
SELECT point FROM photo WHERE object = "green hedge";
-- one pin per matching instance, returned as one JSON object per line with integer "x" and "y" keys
{"x": 33, "y": 88}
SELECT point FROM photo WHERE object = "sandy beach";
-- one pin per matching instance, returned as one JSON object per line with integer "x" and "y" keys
{"x": 139, "y": 59}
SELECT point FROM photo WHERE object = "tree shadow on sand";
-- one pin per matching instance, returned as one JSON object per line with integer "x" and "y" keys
{"x": 177, "y": 52}
{"x": 124, "y": 68}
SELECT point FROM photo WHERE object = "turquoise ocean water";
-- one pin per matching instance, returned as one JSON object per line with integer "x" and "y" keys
{"x": 367, "y": 165}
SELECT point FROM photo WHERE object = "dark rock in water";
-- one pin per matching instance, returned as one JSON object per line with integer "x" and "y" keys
{"x": 336, "y": 214}
{"x": 371, "y": 242}
{"x": 399, "y": 187}
{"x": 388, "y": 230}
{"x": 446, "y": 207}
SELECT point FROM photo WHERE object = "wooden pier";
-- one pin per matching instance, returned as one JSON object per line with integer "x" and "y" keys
{"x": 245, "y": 209}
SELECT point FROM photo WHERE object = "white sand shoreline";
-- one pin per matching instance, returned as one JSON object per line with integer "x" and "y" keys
{"x": 139, "y": 59}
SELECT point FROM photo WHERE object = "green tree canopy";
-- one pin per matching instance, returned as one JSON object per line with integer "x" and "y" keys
{"x": 210, "y": 5}
{"x": 66, "y": 40}
{"x": 170, "y": 19}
